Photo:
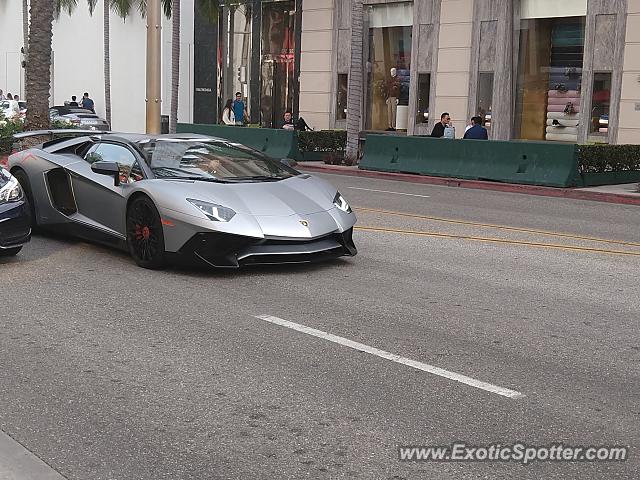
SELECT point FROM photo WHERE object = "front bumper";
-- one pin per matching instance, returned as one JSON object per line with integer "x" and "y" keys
{"x": 15, "y": 224}
{"x": 233, "y": 251}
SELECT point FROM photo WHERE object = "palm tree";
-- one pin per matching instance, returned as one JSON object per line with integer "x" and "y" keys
{"x": 38, "y": 65}
{"x": 354, "y": 98}
{"x": 175, "y": 64}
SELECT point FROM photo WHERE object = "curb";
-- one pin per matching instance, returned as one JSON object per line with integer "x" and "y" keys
{"x": 571, "y": 193}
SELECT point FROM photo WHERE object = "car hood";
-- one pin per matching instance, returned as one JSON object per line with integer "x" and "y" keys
{"x": 301, "y": 195}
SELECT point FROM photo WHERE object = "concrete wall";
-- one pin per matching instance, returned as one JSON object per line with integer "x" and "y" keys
{"x": 629, "y": 126}
{"x": 78, "y": 66}
{"x": 454, "y": 60}
{"x": 316, "y": 63}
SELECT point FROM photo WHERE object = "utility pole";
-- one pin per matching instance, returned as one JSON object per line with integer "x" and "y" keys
{"x": 153, "y": 66}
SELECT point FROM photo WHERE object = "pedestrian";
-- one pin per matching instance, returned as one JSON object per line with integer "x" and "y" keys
{"x": 477, "y": 131}
{"x": 16, "y": 97}
{"x": 2, "y": 97}
{"x": 228, "y": 117}
{"x": 438, "y": 128}
{"x": 73, "y": 102}
{"x": 288, "y": 124}
{"x": 9, "y": 96}
{"x": 239, "y": 110}
{"x": 87, "y": 103}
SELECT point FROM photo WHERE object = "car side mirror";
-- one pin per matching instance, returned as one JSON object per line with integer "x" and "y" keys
{"x": 107, "y": 168}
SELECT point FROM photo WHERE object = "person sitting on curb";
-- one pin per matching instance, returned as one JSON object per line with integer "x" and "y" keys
{"x": 438, "y": 128}
{"x": 477, "y": 131}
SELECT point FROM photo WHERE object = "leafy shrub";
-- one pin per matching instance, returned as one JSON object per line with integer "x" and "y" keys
{"x": 322, "y": 141}
{"x": 608, "y": 158}
{"x": 8, "y": 128}
{"x": 333, "y": 158}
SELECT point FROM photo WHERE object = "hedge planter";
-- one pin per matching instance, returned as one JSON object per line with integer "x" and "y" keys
{"x": 609, "y": 178}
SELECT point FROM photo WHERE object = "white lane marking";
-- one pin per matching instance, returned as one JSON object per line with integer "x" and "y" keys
{"x": 472, "y": 382}
{"x": 386, "y": 191}
{"x": 18, "y": 463}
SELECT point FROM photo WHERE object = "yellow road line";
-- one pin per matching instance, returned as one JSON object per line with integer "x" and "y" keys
{"x": 500, "y": 227}
{"x": 496, "y": 240}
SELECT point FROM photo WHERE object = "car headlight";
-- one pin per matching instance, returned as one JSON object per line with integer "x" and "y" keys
{"x": 341, "y": 203}
{"x": 11, "y": 192}
{"x": 214, "y": 212}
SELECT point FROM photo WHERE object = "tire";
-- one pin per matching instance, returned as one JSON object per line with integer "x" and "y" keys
{"x": 10, "y": 252}
{"x": 26, "y": 188}
{"x": 145, "y": 237}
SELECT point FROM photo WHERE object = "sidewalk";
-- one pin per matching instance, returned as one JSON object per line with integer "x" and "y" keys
{"x": 626, "y": 194}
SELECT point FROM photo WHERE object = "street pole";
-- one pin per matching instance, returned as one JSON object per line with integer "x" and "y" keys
{"x": 153, "y": 66}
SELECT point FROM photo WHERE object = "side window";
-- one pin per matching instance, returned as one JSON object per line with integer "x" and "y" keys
{"x": 130, "y": 170}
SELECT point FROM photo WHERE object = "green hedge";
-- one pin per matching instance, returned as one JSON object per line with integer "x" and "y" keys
{"x": 322, "y": 141}
{"x": 608, "y": 158}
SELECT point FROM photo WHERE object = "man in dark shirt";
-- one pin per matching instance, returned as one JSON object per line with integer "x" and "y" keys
{"x": 288, "y": 124}
{"x": 477, "y": 131}
{"x": 438, "y": 128}
{"x": 87, "y": 103}
{"x": 73, "y": 102}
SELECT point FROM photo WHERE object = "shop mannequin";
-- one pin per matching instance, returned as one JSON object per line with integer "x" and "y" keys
{"x": 393, "y": 92}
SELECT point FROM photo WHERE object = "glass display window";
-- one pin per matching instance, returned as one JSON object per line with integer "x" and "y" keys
{"x": 389, "y": 65}
{"x": 599, "y": 119}
{"x": 549, "y": 89}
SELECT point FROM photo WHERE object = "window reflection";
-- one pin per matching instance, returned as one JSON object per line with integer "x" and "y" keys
{"x": 424, "y": 90}
{"x": 341, "y": 100}
{"x": 485, "y": 98}
{"x": 599, "y": 121}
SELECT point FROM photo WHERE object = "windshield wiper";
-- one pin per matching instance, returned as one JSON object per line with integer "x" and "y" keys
{"x": 196, "y": 178}
{"x": 263, "y": 178}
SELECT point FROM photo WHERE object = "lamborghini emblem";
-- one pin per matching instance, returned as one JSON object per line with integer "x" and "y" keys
{"x": 304, "y": 223}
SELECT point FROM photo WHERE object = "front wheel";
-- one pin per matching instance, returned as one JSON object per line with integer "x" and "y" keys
{"x": 9, "y": 252}
{"x": 145, "y": 237}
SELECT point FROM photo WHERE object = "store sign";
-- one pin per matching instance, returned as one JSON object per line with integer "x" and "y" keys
{"x": 552, "y": 8}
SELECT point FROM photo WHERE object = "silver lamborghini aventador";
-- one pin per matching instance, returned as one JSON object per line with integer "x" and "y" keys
{"x": 186, "y": 197}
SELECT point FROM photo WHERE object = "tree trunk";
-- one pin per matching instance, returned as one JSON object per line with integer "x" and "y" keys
{"x": 25, "y": 29}
{"x": 107, "y": 63}
{"x": 354, "y": 98}
{"x": 175, "y": 64}
{"x": 38, "y": 67}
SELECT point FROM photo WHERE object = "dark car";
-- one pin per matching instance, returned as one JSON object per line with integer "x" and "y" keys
{"x": 15, "y": 216}
{"x": 80, "y": 117}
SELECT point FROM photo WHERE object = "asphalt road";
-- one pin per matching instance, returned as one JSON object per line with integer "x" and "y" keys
{"x": 109, "y": 371}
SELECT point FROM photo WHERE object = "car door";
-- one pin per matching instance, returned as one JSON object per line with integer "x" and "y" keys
{"x": 99, "y": 200}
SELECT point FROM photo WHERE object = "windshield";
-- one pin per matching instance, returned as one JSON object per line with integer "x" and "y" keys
{"x": 210, "y": 161}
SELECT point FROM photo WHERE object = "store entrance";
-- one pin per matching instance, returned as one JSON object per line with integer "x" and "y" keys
{"x": 277, "y": 89}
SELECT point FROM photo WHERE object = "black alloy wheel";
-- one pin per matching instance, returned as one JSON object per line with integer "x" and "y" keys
{"x": 144, "y": 234}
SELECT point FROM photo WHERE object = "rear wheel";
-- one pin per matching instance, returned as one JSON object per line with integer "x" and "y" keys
{"x": 144, "y": 234}
{"x": 9, "y": 252}
{"x": 22, "y": 178}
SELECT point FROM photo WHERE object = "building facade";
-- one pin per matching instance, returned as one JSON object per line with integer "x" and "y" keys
{"x": 532, "y": 69}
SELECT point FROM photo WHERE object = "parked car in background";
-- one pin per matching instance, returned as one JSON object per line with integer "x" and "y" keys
{"x": 13, "y": 108}
{"x": 15, "y": 215}
{"x": 79, "y": 117}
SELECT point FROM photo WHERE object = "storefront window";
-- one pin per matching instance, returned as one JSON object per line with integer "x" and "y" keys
{"x": 341, "y": 97}
{"x": 550, "y": 79}
{"x": 278, "y": 61}
{"x": 237, "y": 54}
{"x": 424, "y": 90}
{"x": 389, "y": 66}
{"x": 599, "y": 121}
{"x": 485, "y": 97}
